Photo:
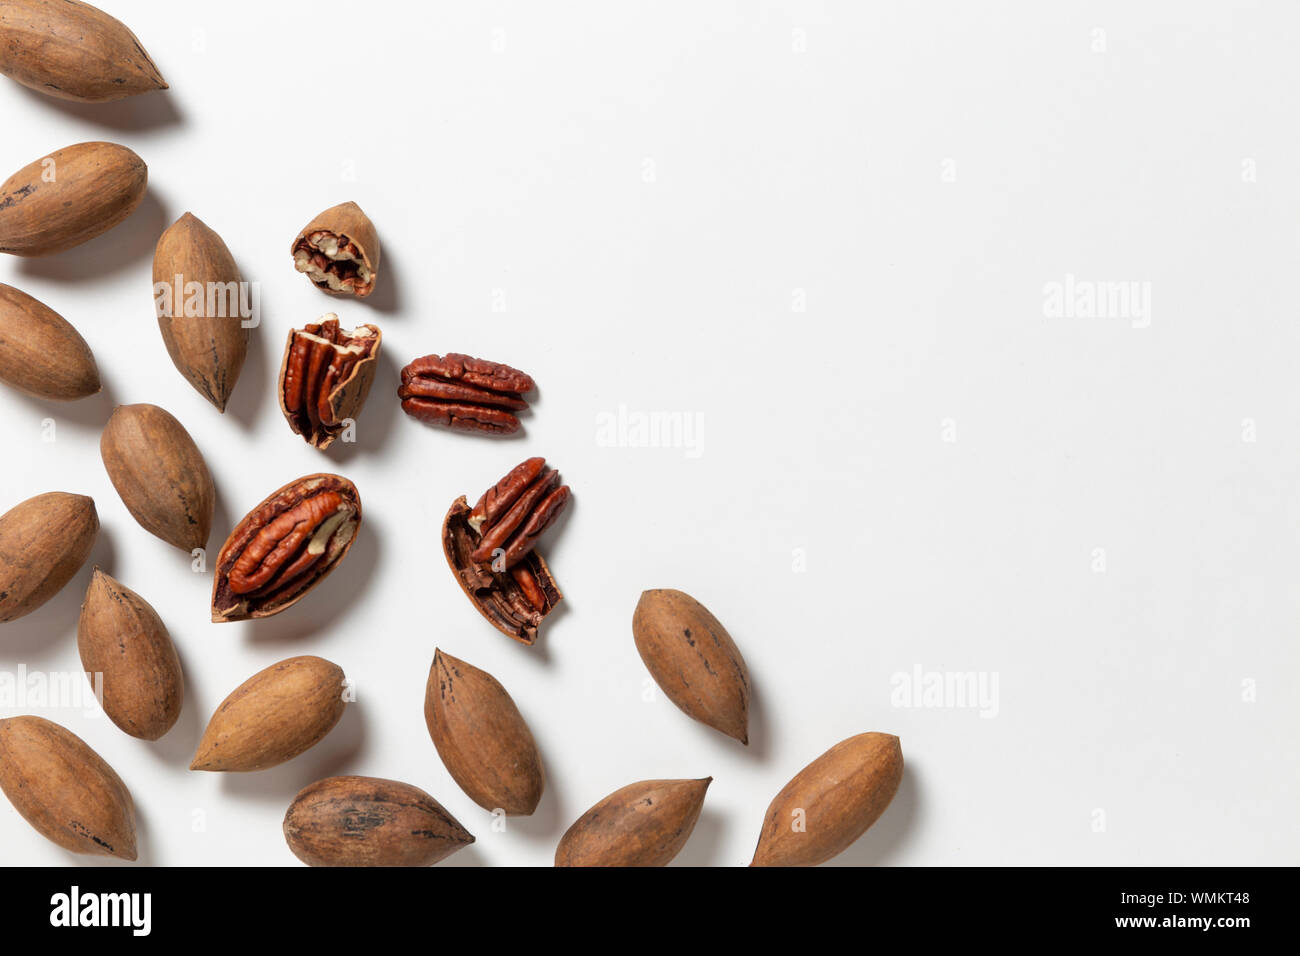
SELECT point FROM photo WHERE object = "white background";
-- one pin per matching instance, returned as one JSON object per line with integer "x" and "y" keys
{"x": 652, "y": 190}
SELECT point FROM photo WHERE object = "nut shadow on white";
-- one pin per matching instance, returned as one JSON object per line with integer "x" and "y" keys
{"x": 331, "y": 757}
{"x": 118, "y": 249}
{"x": 146, "y": 111}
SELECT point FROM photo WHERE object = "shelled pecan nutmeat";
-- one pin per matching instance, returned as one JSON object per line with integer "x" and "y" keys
{"x": 284, "y": 547}
{"x": 339, "y": 251}
{"x": 325, "y": 377}
{"x": 491, "y": 548}
{"x": 465, "y": 393}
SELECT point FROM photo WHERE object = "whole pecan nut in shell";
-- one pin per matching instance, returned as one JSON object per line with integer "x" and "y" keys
{"x": 369, "y": 821}
{"x": 41, "y": 353}
{"x": 464, "y": 393}
{"x": 199, "y": 301}
{"x": 94, "y": 187}
{"x": 73, "y": 51}
{"x": 325, "y": 377}
{"x": 491, "y": 548}
{"x": 284, "y": 547}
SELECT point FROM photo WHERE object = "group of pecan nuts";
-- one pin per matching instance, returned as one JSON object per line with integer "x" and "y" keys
{"x": 289, "y": 542}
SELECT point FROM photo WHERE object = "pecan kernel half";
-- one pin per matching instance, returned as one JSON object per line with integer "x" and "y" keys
{"x": 284, "y": 547}
{"x": 325, "y": 377}
{"x": 465, "y": 393}
{"x": 491, "y": 548}
{"x": 339, "y": 251}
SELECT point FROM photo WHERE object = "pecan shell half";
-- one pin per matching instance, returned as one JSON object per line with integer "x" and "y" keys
{"x": 325, "y": 377}
{"x": 284, "y": 547}
{"x": 465, "y": 393}
{"x": 491, "y": 548}
{"x": 339, "y": 251}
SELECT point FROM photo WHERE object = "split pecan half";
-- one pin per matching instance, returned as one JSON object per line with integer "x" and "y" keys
{"x": 284, "y": 547}
{"x": 325, "y": 377}
{"x": 491, "y": 548}
{"x": 465, "y": 393}
{"x": 339, "y": 251}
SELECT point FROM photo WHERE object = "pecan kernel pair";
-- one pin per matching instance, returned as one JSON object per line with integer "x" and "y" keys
{"x": 464, "y": 393}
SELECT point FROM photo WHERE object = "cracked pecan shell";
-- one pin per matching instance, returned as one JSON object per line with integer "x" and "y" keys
{"x": 339, "y": 251}
{"x": 464, "y": 393}
{"x": 325, "y": 377}
{"x": 284, "y": 547}
{"x": 491, "y": 548}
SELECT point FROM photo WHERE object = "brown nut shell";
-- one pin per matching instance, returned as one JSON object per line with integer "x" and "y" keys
{"x": 339, "y": 251}
{"x": 199, "y": 298}
{"x": 693, "y": 660}
{"x": 831, "y": 802}
{"x": 65, "y": 790}
{"x": 160, "y": 474}
{"x": 273, "y": 716}
{"x": 643, "y": 824}
{"x": 121, "y": 638}
{"x": 325, "y": 377}
{"x": 369, "y": 821}
{"x": 73, "y": 51}
{"x": 285, "y": 547}
{"x": 41, "y": 353}
{"x": 44, "y": 541}
{"x": 69, "y": 197}
{"x": 482, "y": 738}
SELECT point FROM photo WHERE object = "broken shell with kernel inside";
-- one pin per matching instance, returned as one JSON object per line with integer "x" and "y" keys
{"x": 339, "y": 251}
{"x": 325, "y": 377}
